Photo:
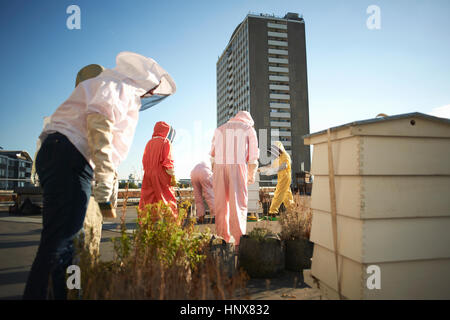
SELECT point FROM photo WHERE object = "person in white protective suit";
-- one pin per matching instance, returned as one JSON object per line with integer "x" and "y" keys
{"x": 85, "y": 139}
{"x": 93, "y": 220}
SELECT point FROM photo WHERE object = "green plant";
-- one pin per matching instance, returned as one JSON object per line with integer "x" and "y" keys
{"x": 260, "y": 234}
{"x": 161, "y": 233}
{"x": 296, "y": 220}
{"x": 131, "y": 185}
{"x": 162, "y": 259}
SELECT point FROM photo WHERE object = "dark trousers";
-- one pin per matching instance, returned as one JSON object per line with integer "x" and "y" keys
{"x": 65, "y": 177}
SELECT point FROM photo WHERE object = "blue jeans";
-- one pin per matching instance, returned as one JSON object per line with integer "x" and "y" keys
{"x": 65, "y": 177}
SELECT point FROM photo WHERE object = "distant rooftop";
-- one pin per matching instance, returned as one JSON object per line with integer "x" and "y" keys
{"x": 382, "y": 119}
{"x": 16, "y": 154}
{"x": 287, "y": 16}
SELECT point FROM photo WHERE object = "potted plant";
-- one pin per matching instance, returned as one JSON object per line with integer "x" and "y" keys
{"x": 224, "y": 253}
{"x": 261, "y": 253}
{"x": 295, "y": 231}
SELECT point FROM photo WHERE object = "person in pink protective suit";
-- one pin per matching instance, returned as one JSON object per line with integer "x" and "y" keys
{"x": 234, "y": 155}
{"x": 201, "y": 179}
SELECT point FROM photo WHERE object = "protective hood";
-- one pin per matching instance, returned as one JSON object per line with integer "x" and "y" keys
{"x": 205, "y": 164}
{"x": 88, "y": 72}
{"x": 164, "y": 130}
{"x": 146, "y": 74}
{"x": 277, "y": 148}
{"x": 244, "y": 116}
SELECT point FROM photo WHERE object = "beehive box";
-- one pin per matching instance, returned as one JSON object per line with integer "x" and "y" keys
{"x": 392, "y": 181}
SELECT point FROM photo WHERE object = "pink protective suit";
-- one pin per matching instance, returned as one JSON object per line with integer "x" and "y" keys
{"x": 234, "y": 147}
{"x": 201, "y": 179}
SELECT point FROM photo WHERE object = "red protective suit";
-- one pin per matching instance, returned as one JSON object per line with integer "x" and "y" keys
{"x": 156, "y": 184}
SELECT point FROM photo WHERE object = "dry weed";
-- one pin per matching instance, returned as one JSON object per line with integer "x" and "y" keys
{"x": 296, "y": 221}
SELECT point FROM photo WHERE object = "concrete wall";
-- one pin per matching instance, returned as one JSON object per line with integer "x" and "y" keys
{"x": 259, "y": 86}
{"x": 259, "y": 76}
{"x": 298, "y": 84}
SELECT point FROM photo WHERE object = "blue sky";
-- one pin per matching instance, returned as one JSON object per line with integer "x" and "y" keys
{"x": 353, "y": 73}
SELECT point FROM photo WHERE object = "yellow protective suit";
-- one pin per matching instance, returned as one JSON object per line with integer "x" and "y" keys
{"x": 283, "y": 192}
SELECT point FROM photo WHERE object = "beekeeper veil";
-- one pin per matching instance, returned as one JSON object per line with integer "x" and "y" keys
{"x": 153, "y": 97}
{"x": 275, "y": 151}
{"x": 171, "y": 134}
{"x": 147, "y": 74}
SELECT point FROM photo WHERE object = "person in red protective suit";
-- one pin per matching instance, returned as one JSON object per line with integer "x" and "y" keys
{"x": 159, "y": 176}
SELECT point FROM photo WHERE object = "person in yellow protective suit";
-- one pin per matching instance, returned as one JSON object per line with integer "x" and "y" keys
{"x": 282, "y": 167}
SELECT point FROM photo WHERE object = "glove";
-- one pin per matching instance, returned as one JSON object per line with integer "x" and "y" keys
{"x": 263, "y": 169}
{"x": 100, "y": 147}
{"x": 108, "y": 211}
{"x": 173, "y": 180}
{"x": 272, "y": 170}
{"x": 282, "y": 167}
{"x": 115, "y": 191}
{"x": 251, "y": 175}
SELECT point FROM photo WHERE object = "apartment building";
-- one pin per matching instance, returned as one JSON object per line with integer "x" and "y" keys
{"x": 263, "y": 70}
{"x": 15, "y": 169}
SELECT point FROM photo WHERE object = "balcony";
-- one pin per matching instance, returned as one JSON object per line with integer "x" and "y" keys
{"x": 279, "y": 124}
{"x": 277, "y": 43}
{"x": 278, "y": 87}
{"x": 279, "y": 78}
{"x": 279, "y": 69}
{"x": 279, "y": 96}
{"x": 277, "y": 26}
{"x": 280, "y": 115}
{"x": 278, "y": 60}
{"x": 277, "y": 34}
{"x": 277, "y": 105}
{"x": 278, "y": 51}
{"x": 278, "y": 133}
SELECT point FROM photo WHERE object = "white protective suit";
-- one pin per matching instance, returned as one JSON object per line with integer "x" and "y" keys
{"x": 100, "y": 116}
